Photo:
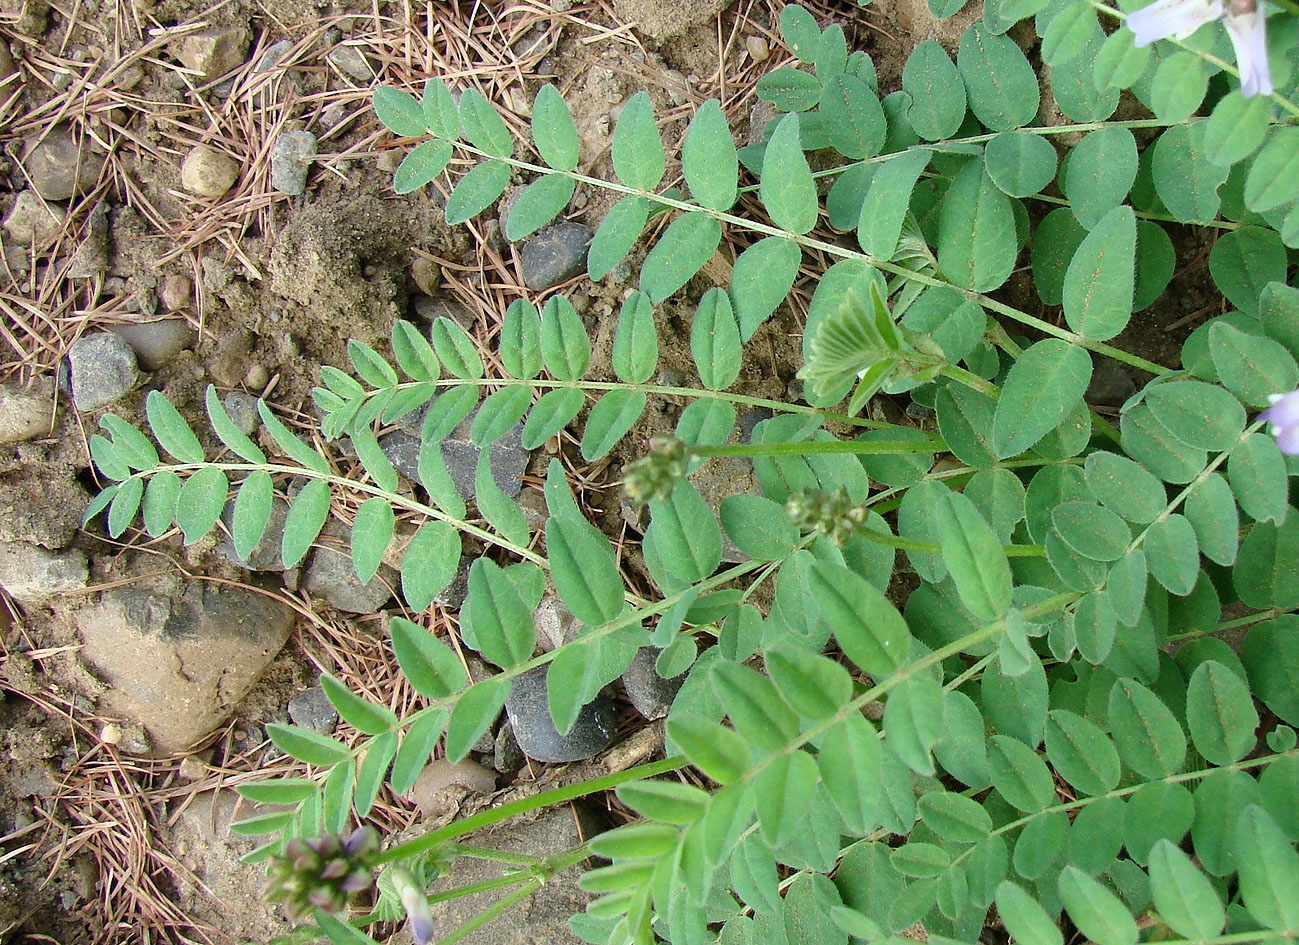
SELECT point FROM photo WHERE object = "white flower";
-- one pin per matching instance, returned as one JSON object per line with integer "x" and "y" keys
{"x": 415, "y": 902}
{"x": 1244, "y": 20}
{"x": 1283, "y": 417}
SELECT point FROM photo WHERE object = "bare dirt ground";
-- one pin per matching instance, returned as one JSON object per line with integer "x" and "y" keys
{"x": 103, "y": 837}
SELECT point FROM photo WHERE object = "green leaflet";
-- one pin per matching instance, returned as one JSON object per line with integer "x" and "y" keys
{"x": 974, "y": 557}
{"x": 616, "y": 235}
{"x": 424, "y": 162}
{"x": 477, "y": 191}
{"x": 474, "y": 712}
{"x": 1098, "y": 285}
{"x": 637, "y": 148}
{"x": 539, "y": 203}
{"x": 1185, "y": 177}
{"x": 686, "y": 534}
{"x": 1041, "y": 389}
{"x": 430, "y": 666}
{"x": 584, "y": 570}
{"x": 787, "y": 189}
{"x": 565, "y": 346}
{"x": 715, "y": 341}
{"x": 553, "y": 131}
{"x": 1102, "y": 168}
{"x": 203, "y": 496}
{"x": 1001, "y": 84}
{"x": 610, "y": 419}
{"x": 429, "y": 563}
{"x": 501, "y": 620}
{"x": 708, "y": 159}
{"x": 483, "y": 126}
{"x": 1020, "y": 164}
{"x": 761, "y": 279}
{"x": 976, "y": 231}
{"x": 937, "y": 92}
{"x": 887, "y": 200}
{"x": 688, "y": 243}
{"x": 1183, "y": 895}
{"x": 869, "y": 629}
{"x": 852, "y": 117}
{"x": 635, "y": 342}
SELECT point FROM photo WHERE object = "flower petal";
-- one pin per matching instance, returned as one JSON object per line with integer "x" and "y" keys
{"x": 1284, "y": 411}
{"x": 1287, "y": 440}
{"x": 1248, "y": 32}
{"x": 1178, "y": 18}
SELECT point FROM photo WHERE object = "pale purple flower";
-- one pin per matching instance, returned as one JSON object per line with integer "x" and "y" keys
{"x": 1244, "y": 20}
{"x": 1283, "y": 416}
{"x": 415, "y": 902}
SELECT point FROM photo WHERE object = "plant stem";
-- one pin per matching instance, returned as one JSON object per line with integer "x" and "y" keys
{"x": 498, "y": 856}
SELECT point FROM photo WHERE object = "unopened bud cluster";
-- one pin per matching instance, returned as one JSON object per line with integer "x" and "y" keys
{"x": 654, "y": 474}
{"x": 831, "y": 513}
{"x": 323, "y": 872}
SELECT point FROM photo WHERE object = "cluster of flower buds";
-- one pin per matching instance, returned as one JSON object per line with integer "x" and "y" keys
{"x": 831, "y": 513}
{"x": 654, "y": 474}
{"x": 323, "y": 872}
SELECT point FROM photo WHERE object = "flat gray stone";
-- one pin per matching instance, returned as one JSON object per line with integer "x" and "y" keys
{"x": 649, "y": 692}
{"x": 529, "y": 710}
{"x": 508, "y": 458}
{"x": 60, "y": 165}
{"x": 556, "y": 254}
{"x": 156, "y": 343}
{"x": 31, "y": 575}
{"x": 291, "y": 157}
{"x": 25, "y": 414}
{"x": 265, "y": 555}
{"x": 313, "y": 711}
{"x": 213, "y": 52}
{"x": 102, "y": 368}
{"x": 330, "y": 576}
{"x": 242, "y": 409}
{"x": 351, "y": 62}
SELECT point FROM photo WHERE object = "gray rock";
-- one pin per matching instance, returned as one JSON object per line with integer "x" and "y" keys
{"x": 156, "y": 343}
{"x": 313, "y": 711}
{"x": 60, "y": 165}
{"x": 213, "y": 52}
{"x": 442, "y": 785}
{"x": 506, "y": 754}
{"x": 101, "y": 368}
{"x": 555, "y": 624}
{"x": 32, "y": 221}
{"x": 176, "y": 292}
{"x": 542, "y": 918}
{"x": 454, "y": 594}
{"x": 207, "y": 172}
{"x": 508, "y": 458}
{"x": 649, "y": 692}
{"x": 179, "y": 665}
{"x": 529, "y": 710}
{"x": 30, "y": 574}
{"x": 273, "y": 54}
{"x": 290, "y": 158}
{"x": 330, "y": 575}
{"x": 265, "y": 555}
{"x": 242, "y": 409}
{"x": 91, "y": 257}
{"x": 556, "y": 254}
{"x": 26, "y": 414}
{"x": 1110, "y": 385}
{"x": 351, "y": 62}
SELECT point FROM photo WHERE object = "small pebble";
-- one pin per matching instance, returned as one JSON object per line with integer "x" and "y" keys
{"x": 313, "y": 711}
{"x": 554, "y": 255}
{"x": 192, "y": 768}
{"x": 442, "y": 784}
{"x": 242, "y": 409}
{"x": 111, "y": 734}
{"x": 213, "y": 53}
{"x": 274, "y": 53}
{"x": 351, "y": 62}
{"x": 757, "y": 48}
{"x": 427, "y": 275}
{"x": 206, "y": 172}
{"x": 33, "y": 221}
{"x": 257, "y": 377}
{"x": 25, "y": 413}
{"x": 176, "y": 292}
{"x": 290, "y": 159}
{"x": 156, "y": 343}
{"x": 102, "y": 368}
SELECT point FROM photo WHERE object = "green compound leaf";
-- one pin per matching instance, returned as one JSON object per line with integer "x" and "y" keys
{"x": 869, "y": 629}
{"x": 974, "y": 556}
{"x": 1178, "y": 86}
{"x": 885, "y": 209}
{"x": 429, "y": 563}
{"x": 999, "y": 80}
{"x": 474, "y": 713}
{"x": 787, "y": 189}
{"x": 616, "y": 235}
{"x": 424, "y": 162}
{"x": 1091, "y": 531}
{"x": 1220, "y": 713}
{"x": 502, "y": 620}
{"x": 637, "y": 148}
{"x": 483, "y": 126}
{"x": 1099, "y": 283}
{"x": 364, "y": 716}
{"x": 553, "y": 131}
{"x": 1236, "y": 127}
{"x": 305, "y": 745}
{"x": 1081, "y": 753}
{"x": 1020, "y": 164}
{"x": 1102, "y": 168}
{"x": 976, "y": 231}
{"x": 305, "y": 518}
{"x": 635, "y": 343}
{"x": 610, "y": 419}
{"x": 717, "y": 751}
{"x": 1183, "y": 895}
{"x": 539, "y": 203}
{"x": 252, "y": 512}
{"x": 1024, "y": 917}
{"x": 171, "y": 429}
{"x": 1273, "y": 177}
{"x": 763, "y": 275}
{"x": 1185, "y": 178}
{"x": 477, "y": 191}
{"x": 685, "y": 533}
{"x": 399, "y": 111}
{"x": 852, "y": 118}
{"x": 1041, "y": 390}
{"x": 688, "y": 243}
{"x": 200, "y": 501}
{"x": 1098, "y": 913}
{"x": 708, "y": 158}
{"x": 553, "y": 411}
{"x": 565, "y": 345}
{"x": 715, "y": 341}
{"x": 1198, "y": 414}
{"x": 790, "y": 90}
{"x": 430, "y": 666}
{"x": 1243, "y": 262}
{"x": 937, "y": 92}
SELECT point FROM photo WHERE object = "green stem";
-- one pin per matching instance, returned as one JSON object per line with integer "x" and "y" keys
{"x": 809, "y": 447}
{"x": 971, "y": 380}
{"x": 502, "y": 905}
{"x": 556, "y": 796}
{"x": 497, "y": 856}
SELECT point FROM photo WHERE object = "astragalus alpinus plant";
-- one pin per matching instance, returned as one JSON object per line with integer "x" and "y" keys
{"x": 1044, "y": 714}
